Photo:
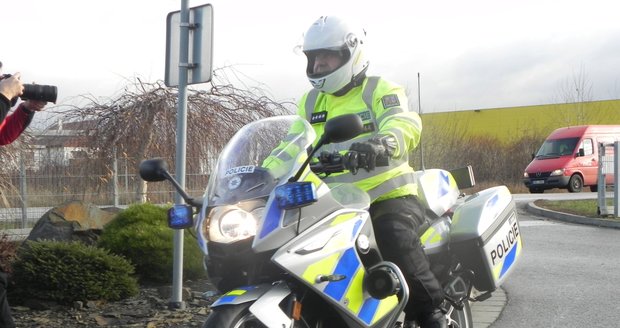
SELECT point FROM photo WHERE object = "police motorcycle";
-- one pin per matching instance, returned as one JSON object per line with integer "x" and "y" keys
{"x": 288, "y": 250}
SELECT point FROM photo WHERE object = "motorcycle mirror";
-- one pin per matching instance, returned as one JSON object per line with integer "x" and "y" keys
{"x": 342, "y": 128}
{"x": 153, "y": 170}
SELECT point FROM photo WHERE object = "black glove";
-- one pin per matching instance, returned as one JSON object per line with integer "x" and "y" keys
{"x": 351, "y": 161}
{"x": 365, "y": 154}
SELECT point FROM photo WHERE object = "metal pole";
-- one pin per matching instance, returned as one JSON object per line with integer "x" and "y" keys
{"x": 115, "y": 178}
{"x": 420, "y": 146}
{"x": 176, "y": 302}
{"x": 600, "y": 181}
{"x": 23, "y": 189}
{"x": 616, "y": 177}
{"x": 126, "y": 179}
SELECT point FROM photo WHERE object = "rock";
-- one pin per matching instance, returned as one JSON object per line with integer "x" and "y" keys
{"x": 93, "y": 304}
{"x": 146, "y": 309}
{"x": 40, "y": 305}
{"x": 72, "y": 221}
{"x": 78, "y": 305}
{"x": 166, "y": 292}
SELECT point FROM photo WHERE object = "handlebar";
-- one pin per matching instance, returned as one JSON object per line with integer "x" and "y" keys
{"x": 328, "y": 163}
{"x": 334, "y": 162}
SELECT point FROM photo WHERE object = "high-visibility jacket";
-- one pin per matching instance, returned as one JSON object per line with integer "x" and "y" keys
{"x": 384, "y": 110}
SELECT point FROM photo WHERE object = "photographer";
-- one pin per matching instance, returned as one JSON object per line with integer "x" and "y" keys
{"x": 12, "y": 126}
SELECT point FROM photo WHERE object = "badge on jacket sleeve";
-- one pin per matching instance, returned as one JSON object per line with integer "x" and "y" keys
{"x": 390, "y": 101}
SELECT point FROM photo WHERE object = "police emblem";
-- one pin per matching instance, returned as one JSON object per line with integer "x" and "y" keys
{"x": 234, "y": 183}
{"x": 390, "y": 101}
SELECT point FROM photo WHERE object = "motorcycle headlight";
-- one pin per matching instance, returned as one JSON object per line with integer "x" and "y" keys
{"x": 228, "y": 224}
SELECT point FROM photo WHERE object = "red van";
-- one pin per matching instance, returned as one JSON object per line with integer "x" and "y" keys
{"x": 568, "y": 159}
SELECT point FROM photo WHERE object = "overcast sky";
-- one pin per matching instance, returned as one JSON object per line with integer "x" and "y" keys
{"x": 470, "y": 54}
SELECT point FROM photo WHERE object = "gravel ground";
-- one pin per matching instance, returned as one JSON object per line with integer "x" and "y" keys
{"x": 148, "y": 309}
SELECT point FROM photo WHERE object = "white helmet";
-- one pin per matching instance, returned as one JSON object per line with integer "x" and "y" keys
{"x": 334, "y": 34}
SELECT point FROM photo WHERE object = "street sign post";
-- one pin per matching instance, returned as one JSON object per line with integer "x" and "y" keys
{"x": 189, "y": 44}
{"x": 200, "y": 46}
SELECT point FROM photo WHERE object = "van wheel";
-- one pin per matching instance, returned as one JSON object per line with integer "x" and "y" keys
{"x": 575, "y": 184}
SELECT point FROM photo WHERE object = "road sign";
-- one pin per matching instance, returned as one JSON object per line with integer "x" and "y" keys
{"x": 200, "y": 46}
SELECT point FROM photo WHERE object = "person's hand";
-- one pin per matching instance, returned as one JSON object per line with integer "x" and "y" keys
{"x": 365, "y": 153}
{"x": 34, "y": 105}
{"x": 12, "y": 87}
{"x": 352, "y": 161}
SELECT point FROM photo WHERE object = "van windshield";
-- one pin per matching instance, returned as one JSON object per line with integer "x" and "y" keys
{"x": 557, "y": 148}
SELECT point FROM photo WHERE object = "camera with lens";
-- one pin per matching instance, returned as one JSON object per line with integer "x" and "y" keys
{"x": 40, "y": 92}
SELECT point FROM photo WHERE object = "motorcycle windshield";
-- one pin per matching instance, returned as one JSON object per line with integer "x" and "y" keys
{"x": 259, "y": 157}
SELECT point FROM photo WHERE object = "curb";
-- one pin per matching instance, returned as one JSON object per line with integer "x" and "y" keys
{"x": 485, "y": 313}
{"x": 571, "y": 218}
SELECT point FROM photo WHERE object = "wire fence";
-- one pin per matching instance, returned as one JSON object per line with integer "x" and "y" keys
{"x": 28, "y": 192}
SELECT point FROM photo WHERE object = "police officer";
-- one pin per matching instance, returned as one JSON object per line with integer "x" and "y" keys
{"x": 337, "y": 71}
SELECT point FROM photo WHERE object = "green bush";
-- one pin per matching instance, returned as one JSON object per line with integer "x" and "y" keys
{"x": 141, "y": 234}
{"x": 71, "y": 271}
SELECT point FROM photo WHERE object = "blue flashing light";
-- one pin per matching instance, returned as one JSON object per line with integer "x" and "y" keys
{"x": 180, "y": 216}
{"x": 295, "y": 194}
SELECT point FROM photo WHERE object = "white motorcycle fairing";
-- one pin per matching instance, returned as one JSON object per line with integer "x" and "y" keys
{"x": 332, "y": 252}
{"x": 266, "y": 298}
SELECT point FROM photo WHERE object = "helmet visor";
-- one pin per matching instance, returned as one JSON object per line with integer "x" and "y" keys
{"x": 323, "y": 62}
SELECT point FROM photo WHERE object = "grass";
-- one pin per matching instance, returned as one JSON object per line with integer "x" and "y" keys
{"x": 583, "y": 207}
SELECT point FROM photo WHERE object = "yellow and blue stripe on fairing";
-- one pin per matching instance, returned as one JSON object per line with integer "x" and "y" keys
{"x": 231, "y": 296}
{"x": 347, "y": 263}
{"x": 367, "y": 309}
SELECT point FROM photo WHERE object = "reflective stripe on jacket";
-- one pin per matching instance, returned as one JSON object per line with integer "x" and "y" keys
{"x": 383, "y": 107}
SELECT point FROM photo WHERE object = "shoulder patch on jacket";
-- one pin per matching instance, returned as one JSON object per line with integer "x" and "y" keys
{"x": 318, "y": 117}
{"x": 390, "y": 101}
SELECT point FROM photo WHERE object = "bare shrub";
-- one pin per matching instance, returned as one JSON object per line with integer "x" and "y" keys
{"x": 493, "y": 162}
{"x": 142, "y": 123}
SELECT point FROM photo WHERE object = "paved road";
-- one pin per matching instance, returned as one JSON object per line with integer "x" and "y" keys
{"x": 566, "y": 277}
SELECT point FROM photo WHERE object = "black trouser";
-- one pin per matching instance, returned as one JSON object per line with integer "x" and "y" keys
{"x": 396, "y": 222}
{"x": 6, "y": 319}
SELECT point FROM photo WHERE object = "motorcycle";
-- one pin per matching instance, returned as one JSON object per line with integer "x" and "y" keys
{"x": 290, "y": 250}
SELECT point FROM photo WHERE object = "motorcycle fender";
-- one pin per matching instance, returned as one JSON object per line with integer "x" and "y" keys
{"x": 242, "y": 295}
{"x": 267, "y": 309}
